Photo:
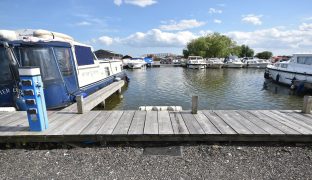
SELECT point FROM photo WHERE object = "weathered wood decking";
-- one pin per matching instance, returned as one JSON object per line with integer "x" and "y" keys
{"x": 207, "y": 125}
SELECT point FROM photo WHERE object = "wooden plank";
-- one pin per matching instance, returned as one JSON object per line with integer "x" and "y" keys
{"x": 301, "y": 123}
{"x": 151, "y": 123}
{"x": 259, "y": 122}
{"x": 191, "y": 123}
{"x": 238, "y": 127}
{"x": 19, "y": 123}
{"x": 97, "y": 123}
{"x": 137, "y": 124}
{"x": 178, "y": 124}
{"x": 9, "y": 118}
{"x": 165, "y": 126}
{"x": 246, "y": 123}
{"x": 205, "y": 123}
{"x": 109, "y": 125}
{"x": 287, "y": 122}
{"x": 82, "y": 122}
{"x": 218, "y": 122}
{"x": 124, "y": 123}
{"x": 299, "y": 116}
{"x": 282, "y": 127}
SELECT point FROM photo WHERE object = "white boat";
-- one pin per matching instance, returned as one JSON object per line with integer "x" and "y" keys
{"x": 299, "y": 67}
{"x": 215, "y": 63}
{"x": 196, "y": 62}
{"x": 256, "y": 63}
{"x": 68, "y": 68}
{"x": 136, "y": 63}
{"x": 233, "y": 62}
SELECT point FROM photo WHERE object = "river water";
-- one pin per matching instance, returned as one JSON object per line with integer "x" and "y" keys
{"x": 216, "y": 88}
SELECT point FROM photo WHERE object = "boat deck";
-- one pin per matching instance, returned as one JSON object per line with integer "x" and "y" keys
{"x": 206, "y": 125}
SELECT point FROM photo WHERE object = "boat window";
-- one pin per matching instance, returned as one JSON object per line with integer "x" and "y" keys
{"x": 284, "y": 65}
{"x": 5, "y": 74}
{"x": 84, "y": 55}
{"x": 63, "y": 57}
{"x": 40, "y": 57}
{"x": 304, "y": 60}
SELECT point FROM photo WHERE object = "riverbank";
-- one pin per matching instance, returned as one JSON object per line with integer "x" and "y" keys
{"x": 140, "y": 161}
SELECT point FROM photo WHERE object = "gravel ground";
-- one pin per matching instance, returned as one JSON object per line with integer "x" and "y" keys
{"x": 197, "y": 161}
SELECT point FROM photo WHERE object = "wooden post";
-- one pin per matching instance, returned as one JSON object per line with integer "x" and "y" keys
{"x": 307, "y": 104}
{"x": 80, "y": 107}
{"x": 194, "y": 104}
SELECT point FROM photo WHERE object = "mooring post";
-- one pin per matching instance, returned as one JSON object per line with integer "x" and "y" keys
{"x": 80, "y": 108}
{"x": 307, "y": 104}
{"x": 194, "y": 104}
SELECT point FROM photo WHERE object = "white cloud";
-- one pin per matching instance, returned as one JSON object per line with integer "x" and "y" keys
{"x": 106, "y": 40}
{"x": 141, "y": 3}
{"x": 217, "y": 21}
{"x": 305, "y": 27}
{"x": 182, "y": 25}
{"x": 214, "y": 11}
{"x": 278, "y": 40}
{"x": 118, "y": 2}
{"x": 252, "y": 19}
{"x": 83, "y": 23}
{"x": 308, "y": 19}
{"x": 152, "y": 38}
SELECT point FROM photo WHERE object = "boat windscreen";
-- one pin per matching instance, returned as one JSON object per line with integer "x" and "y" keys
{"x": 40, "y": 57}
{"x": 5, "y": 74}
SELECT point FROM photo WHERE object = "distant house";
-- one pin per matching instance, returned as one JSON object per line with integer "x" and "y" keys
{"x": 106, "y": 54}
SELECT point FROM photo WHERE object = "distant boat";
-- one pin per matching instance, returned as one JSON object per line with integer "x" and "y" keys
{"x": 233, "y": 62}
{"x": 136, "y": 63}
{"x": 68, "y": 68}
{"x": 215, "y": 63}
{"x": 299, "y": 68}
{"x": 149, "y": 61}
{"x": 196, "y": 62}
{"x": 256, "y": 63}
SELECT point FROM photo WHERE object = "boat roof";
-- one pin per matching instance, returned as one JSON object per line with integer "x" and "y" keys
{"x": 302, "y": 54}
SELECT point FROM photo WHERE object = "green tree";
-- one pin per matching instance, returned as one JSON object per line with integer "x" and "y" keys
{"x": 246, "y": 51}
{"x": 212, "y": 45}
{"x": 264, "y": 55}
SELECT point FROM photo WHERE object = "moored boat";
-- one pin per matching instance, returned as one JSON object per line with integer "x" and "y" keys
{"x": 233, "y": 62}
{"x": 298, "y": 68}
{"x": 196, "y": 62}
{"x": 136, "y": 63}
{"x": 215, "y": 63}
{"x": 68, "y": 68}
{"x": 256, "y": 63}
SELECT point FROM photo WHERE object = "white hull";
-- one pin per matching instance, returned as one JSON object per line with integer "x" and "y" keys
{"x": 258, "y": 65}
{"x": 233, "y": 65}
{"x": 215, "y": 66}
{"x": 196, "y": 66}
{"x": 287, "y": 77}
{"x": 135, "y": 66}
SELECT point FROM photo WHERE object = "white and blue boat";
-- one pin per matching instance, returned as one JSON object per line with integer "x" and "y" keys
{"x": 149, "y": 61}
{"x": 68, "y": 68}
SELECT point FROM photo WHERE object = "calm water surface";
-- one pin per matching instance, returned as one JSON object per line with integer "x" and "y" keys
{"x": 216, "y": 88}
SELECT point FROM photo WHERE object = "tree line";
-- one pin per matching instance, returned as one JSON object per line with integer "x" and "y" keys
{"x": 216, "y": 45}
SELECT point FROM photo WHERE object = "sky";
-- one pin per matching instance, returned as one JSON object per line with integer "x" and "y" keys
{"x": 137, "y": 27}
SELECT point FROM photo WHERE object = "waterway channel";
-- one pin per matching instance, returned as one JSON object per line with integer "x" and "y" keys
{"x": 217, "y": 89}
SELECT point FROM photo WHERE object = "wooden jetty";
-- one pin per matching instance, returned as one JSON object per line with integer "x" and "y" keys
{"x": 130, "y": 125}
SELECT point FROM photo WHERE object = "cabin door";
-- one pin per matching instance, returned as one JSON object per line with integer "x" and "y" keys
{"x": 66, "y": 65}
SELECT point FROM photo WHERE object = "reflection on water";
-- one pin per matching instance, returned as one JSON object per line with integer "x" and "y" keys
{"x": 216, "y": 88}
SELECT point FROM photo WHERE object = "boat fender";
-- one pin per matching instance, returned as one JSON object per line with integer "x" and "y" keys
{"x": 277, "y": 78}
{"x": 127, "y": 79}
{"x": 117, "y": 79}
